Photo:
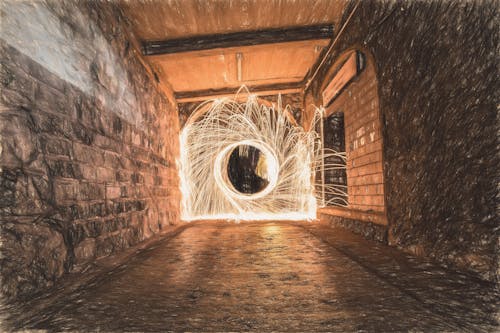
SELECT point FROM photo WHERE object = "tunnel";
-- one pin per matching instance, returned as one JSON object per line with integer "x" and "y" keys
{"x": 249, "y": 165}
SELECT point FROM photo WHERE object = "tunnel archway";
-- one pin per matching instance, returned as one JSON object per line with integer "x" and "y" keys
{"x": 358, "y": 102}
{"x": 278, "y": 179}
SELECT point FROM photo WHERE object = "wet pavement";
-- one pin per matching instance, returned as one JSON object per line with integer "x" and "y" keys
{"x": 273, "y": 276}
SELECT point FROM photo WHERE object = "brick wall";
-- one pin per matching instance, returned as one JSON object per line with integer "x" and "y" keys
{"x": 360, "y": 105}
{"x": 436, "y": 65}
{"x": 87, "y": 143}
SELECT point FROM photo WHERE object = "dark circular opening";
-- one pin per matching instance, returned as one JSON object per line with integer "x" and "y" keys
{"x": 247, "y": 169}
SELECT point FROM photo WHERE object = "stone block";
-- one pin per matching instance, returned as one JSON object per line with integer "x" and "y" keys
{"x": 92, "y": 228}
{"x": 105, "y": 175}
{"x": 97, "y": 209}
{"x": 69, "y": 212}
{"x": 112, "y": 160}
{"x": 10, "y": 97}
{"x": 8, "y": 184}
{"x": 88, "y": 172}
{"x": 65, "y": 190}
{"x": 115, "y": 207}
{"x": 55, "y": 146}
{"x": 82, "y": 133}
{"x": 106, "y": 143}
{"x": 17, "y": 85}
{"x": 91, "y": 191}
{"x": 113, "y": 192}
{"x": 123, "y": 176}
{"x": 50, "y": 100}
{"x": 82, "y": 210}
{"x": 64, "y": 168}
{"x": 33, "y": 257}
{"x": 52, "y": 124}
{"x": 137, "y": 178}
{"x": 31, "y": 196}
{"x": 19, "y": 143}
{"x": 85, "y": 251}
{"x": 88, "y": 154}
{"x": 105, "y": 245}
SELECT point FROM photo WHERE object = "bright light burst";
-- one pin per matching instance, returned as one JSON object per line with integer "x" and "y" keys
{"x": 292, "y": 158}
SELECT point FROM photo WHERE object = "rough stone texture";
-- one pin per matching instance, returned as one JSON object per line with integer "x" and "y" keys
{"x": 271, "y": 276}
{"x": 436, "y": 65}
{"x": 25, "y": 241}
{"x": 368, "y": 230}
{"x": 294, "y": 100}
{"x": 87, "y": 161}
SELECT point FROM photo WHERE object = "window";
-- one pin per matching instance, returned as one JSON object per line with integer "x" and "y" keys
{"x": 333, "y": 184}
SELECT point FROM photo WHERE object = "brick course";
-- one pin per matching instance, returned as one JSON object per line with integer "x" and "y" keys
{"x": 359, "y": 103}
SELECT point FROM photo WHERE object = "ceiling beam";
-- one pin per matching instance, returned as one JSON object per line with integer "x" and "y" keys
{"x": 262, "y": 90}
{"x": 236, "y": 39}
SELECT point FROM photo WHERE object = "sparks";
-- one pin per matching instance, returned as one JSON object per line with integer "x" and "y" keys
{"x": 291, "y": 157}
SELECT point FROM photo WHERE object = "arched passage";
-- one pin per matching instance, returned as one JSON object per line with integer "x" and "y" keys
{"x": 208, "y": 141}
{"x": 356, "y": 102}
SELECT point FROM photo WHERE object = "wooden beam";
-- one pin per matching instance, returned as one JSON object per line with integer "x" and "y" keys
{"x": 236, "y": 39}
{"x": 262, "y": 90}
{"x": 261, "y": 93}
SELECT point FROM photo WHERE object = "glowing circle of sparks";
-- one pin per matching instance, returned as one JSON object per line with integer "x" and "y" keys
{"x": 294, "y": 158}
{"x": 221, "y": 162}
{"x": 207, "y": 142}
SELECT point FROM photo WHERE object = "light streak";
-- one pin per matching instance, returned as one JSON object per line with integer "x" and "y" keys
{"x": 322, "y": 154}
{"x": 292, "y": 156}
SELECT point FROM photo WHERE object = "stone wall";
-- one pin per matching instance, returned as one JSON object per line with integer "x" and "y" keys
{"x": 369, "y": 230}
{"x": 87, "y": 143}
{"x": 436, "y": 65}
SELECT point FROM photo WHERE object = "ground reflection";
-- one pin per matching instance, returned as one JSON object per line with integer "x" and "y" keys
{"x": 272, "y": 276}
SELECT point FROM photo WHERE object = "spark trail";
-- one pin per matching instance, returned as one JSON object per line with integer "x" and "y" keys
{"x": 292, "y": 157}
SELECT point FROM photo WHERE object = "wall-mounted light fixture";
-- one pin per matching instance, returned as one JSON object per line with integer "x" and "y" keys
{"x": 351, "y": 67}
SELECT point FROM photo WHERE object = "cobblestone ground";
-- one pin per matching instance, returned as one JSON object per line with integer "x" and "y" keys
{"x": 274, "y": 276}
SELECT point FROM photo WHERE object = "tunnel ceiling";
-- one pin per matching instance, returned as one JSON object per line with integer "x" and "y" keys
{"x": 264, "y": 44}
